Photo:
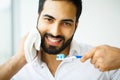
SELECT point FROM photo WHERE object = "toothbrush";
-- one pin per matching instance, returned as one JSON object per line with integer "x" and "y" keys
{"x": 73, "y": 57}
{"x": 62, "y": 57}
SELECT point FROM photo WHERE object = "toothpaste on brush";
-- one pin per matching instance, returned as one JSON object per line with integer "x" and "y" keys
{"x": 62, "y": 57}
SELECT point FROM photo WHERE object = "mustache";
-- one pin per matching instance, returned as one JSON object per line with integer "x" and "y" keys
{"x": 58, "y": 36}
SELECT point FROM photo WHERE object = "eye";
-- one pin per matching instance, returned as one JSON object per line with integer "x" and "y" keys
{"x": 67, "y": 24}
{"x": 48, "y": 20}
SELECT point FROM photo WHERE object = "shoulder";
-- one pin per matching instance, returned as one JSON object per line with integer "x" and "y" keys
{"x": 81, "y": 48}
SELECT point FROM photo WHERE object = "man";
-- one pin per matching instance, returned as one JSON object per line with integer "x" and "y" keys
{"x": 57, "y": 25}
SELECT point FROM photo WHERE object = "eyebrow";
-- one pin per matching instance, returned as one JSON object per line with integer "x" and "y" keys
{"x": 68, "y": 20}
{"x": 46, "y": 15}
{"x": 64, "y": 20}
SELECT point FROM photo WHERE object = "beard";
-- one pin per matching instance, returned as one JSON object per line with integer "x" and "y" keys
{"x": 53, "y": 49}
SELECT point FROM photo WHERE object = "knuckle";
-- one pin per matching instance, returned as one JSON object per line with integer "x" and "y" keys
{"x": 104, "y": 67}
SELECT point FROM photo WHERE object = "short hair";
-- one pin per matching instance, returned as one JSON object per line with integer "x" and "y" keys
{"x": 77, "y": 3}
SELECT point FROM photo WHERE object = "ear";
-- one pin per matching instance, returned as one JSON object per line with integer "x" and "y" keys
{"x": 76, "y": 25}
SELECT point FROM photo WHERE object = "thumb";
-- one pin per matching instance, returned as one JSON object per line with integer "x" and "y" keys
{"x": 88, "y": 55}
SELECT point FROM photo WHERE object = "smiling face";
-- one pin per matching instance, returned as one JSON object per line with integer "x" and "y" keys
{"x": 57, "y": 24}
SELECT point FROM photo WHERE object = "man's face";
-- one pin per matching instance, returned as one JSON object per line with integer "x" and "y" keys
{"x": 57, "y": 24}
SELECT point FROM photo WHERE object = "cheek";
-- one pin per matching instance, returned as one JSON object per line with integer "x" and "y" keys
{"x": 41, "y": 28}
{"x": 69, "y": 34}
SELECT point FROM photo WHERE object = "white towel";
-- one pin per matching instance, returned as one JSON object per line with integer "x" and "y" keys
{"x": 32, "y": 44}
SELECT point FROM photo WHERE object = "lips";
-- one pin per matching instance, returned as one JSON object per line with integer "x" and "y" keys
{"x": 53, "y": 41}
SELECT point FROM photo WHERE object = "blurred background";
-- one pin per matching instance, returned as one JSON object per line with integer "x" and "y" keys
{"x": 99, "y": 23}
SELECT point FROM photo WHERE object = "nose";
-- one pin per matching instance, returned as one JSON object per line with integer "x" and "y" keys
{"x": 55, "y": 29}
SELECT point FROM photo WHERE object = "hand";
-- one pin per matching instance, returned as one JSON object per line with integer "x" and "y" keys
{"x": 104, "y": 57}
{"x": 20, "y": 52}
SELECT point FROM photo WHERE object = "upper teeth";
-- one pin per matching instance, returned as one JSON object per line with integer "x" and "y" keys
{"x": 54, "y": 40}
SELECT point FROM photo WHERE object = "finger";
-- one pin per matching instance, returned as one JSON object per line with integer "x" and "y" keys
{"x": 96, "y": 66}
{"x": 99, "y": 64}
{"x": 88, "y": 55}
{"x": 25, "y": 36}
{"x": 93, "y": 60}
{"x": 103, "y": 69}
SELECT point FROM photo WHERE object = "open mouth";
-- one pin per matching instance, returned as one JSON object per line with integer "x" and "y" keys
{"x": 53, "y": 41}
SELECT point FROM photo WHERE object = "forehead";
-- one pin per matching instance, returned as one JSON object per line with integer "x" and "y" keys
{"x": 59, "y": 9}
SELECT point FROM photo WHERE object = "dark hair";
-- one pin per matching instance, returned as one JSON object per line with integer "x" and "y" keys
{"x": 77, "y": 3}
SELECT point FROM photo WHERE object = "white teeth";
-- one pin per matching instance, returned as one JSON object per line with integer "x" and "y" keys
{"x": 53, "y": 40}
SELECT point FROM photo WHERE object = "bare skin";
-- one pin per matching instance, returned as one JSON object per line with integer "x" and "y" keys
{"x": 14, "y": 64}
{"x": 104, "y": 57}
